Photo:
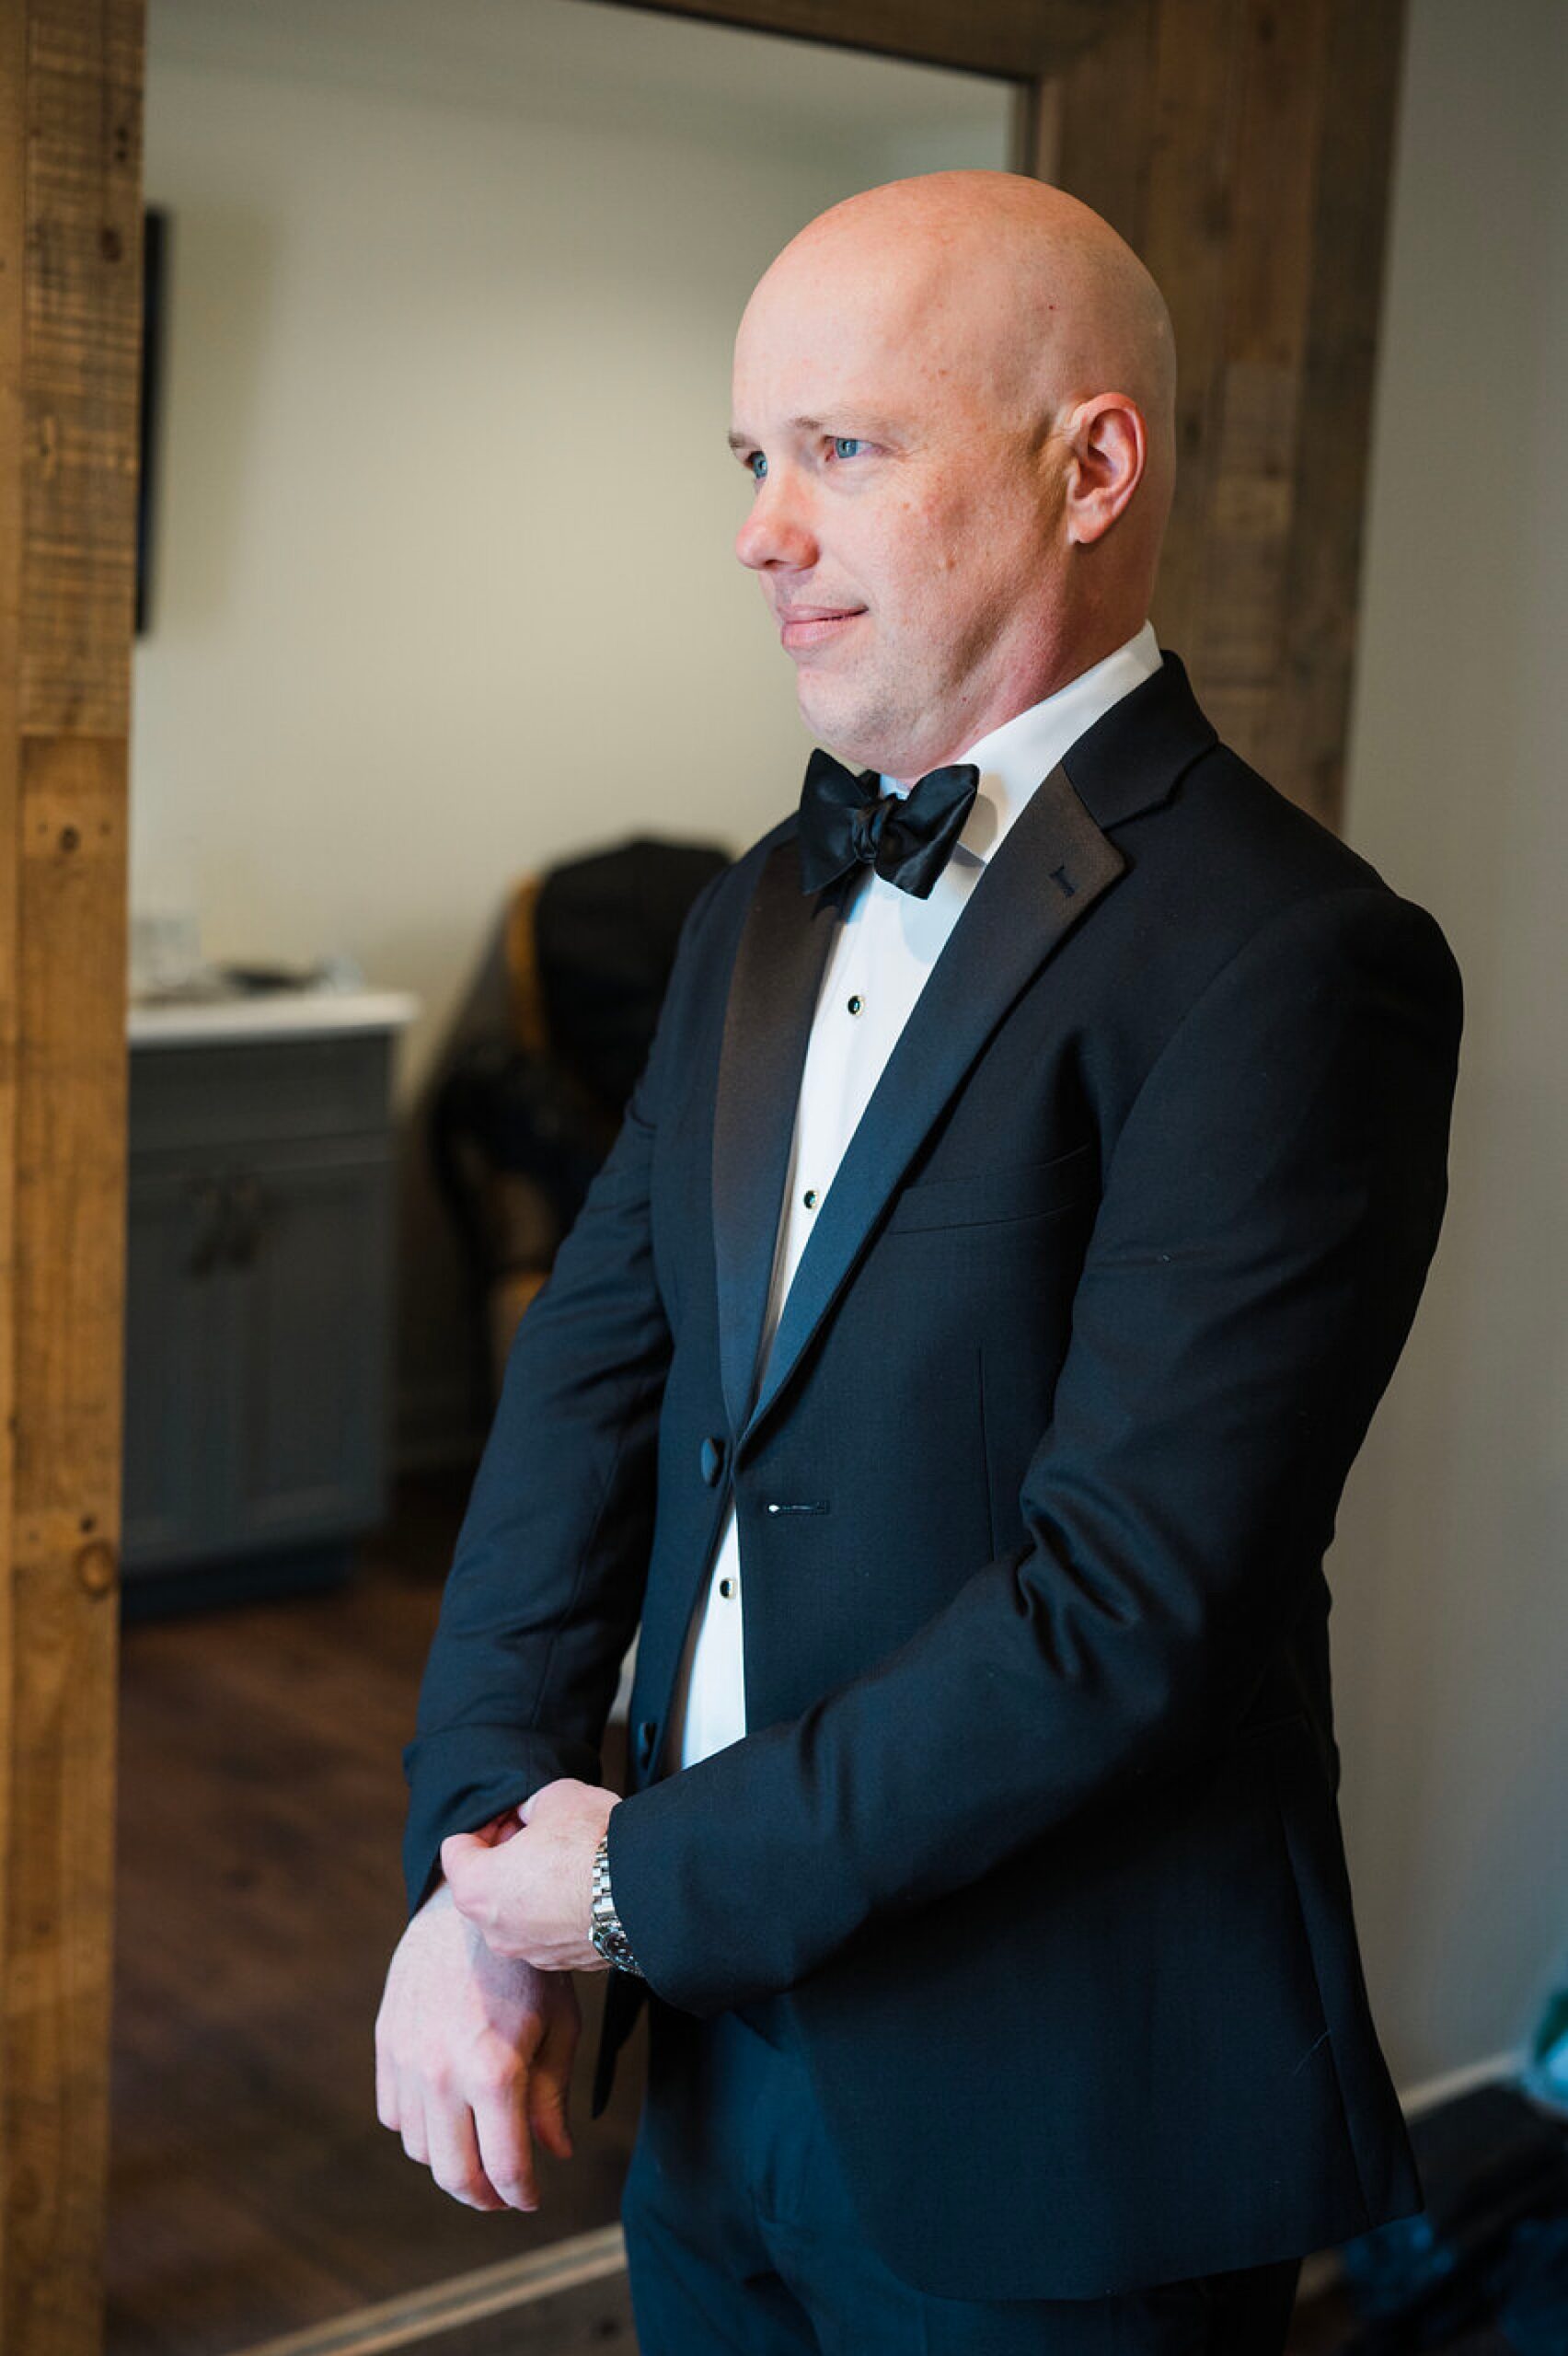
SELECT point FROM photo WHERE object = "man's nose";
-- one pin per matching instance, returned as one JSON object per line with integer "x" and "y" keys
{"x": 776, "y": 530}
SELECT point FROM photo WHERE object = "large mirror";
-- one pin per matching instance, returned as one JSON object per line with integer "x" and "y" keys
{"x": 440, "y": 608}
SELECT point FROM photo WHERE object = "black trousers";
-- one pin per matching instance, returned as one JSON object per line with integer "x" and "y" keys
{"x": 740, "y": 2237}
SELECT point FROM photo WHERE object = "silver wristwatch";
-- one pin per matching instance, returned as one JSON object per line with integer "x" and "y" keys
{"x": 603, "y": 1922}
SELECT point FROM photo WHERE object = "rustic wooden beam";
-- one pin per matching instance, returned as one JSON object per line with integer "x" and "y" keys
{"x": 1305, "y": 728}
{"x": 1017, "y": 40}
{"x": 13, "y": 217}
{"x": 1101, "y": 120}
{"x": 70, "y": 293}
{"x": 1244, "y": 149}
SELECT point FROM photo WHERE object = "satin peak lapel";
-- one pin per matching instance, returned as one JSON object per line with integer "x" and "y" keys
{"x": 767, "y": 1020}
{"x": 1043, "y": 879}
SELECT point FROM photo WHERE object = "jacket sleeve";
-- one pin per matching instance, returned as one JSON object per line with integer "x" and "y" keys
{"x": 1269, "y": 1211}
{"x": 545, "y": 1582}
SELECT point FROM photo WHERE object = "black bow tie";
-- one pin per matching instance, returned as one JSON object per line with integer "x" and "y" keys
{"x": 907, "y": 840}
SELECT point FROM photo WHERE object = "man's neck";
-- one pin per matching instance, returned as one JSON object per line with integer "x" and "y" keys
{"x": 1064, "y": 667}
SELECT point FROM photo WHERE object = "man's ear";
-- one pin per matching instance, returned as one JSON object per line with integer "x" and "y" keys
{"x": 1107, "y": 452}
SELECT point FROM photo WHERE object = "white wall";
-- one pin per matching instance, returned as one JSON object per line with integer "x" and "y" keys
{"x": 444, "y": 586}
{"x": 1451, "y": 1627}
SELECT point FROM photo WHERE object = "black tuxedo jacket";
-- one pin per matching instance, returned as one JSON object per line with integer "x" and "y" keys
{"x": 1037, "y": 1824}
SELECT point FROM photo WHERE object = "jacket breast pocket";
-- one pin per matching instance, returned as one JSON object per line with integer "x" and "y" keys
{"x": 1015, "y": 1190}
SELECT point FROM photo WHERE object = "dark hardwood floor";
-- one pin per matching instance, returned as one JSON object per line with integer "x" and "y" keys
{"x": 253, "y": 2191}
{"x": 252, "y": 2188}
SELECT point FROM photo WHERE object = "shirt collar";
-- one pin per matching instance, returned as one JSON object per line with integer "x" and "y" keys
{"x": 1014, "y": 758}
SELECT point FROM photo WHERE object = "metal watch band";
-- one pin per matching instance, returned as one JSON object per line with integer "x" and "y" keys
{"x": 604, "y": 1925}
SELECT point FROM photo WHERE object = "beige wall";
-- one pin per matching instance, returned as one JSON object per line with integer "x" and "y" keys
{"x": 444, "y": 582}
{"x": 1450, "y": 1574}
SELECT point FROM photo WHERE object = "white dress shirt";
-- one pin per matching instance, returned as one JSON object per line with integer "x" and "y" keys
{"x": 885, "y": 948}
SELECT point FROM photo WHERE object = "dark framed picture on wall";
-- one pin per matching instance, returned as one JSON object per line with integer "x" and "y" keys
{"x": 154, "y": 250}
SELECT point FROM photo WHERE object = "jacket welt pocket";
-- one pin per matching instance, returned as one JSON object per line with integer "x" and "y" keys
{"x": 1016, "y": 1190}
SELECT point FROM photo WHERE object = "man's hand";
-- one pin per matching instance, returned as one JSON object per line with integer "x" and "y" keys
{"x": 473, "y": 2057}
{"x": 531, "y": 1896}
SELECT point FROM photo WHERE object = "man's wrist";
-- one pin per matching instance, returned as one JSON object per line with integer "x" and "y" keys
{"x": 604, "y": 1925}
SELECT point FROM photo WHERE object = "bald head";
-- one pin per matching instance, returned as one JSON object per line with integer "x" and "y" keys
{"x": 988, "y": 373}
{"x": 1018, "y": 285}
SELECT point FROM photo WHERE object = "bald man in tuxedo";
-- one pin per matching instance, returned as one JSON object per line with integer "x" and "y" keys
{"x": 953, "y": 1373}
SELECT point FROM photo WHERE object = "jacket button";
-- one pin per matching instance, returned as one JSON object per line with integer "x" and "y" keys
{"x": 645, "y": 1734}
{"x": 712, "y": 1460}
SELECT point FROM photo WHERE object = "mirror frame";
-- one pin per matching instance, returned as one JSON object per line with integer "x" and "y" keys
{"x": 1244, "y": 148}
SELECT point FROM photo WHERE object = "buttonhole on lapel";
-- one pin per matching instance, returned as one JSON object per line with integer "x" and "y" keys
{"x": 1059, "y": 877}
{"x": 820, "y": 1507}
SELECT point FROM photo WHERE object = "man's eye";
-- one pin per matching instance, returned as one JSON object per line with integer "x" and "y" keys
{"x": 846, "y": 445}
{"x": 758, "y": 462}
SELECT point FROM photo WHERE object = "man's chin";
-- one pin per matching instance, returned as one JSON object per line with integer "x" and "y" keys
{"x": 838, "y": 722}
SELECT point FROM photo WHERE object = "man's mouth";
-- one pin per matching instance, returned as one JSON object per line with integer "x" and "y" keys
{"x": 802, "y": 625}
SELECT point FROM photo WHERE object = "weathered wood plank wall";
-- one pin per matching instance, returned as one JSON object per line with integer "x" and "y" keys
{"x": 70, "y": 294}
{"x": 1244, "y": 148}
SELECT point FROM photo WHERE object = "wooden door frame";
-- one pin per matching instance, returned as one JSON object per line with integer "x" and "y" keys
{"x": 1243, "y": 146}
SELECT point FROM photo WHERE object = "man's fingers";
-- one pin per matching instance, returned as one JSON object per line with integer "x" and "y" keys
{"x": 454, "y": 2159}
{"x": 411, "y": 2119}
{"x": 547, "y": 2112}
{"x": 386, "y": 2083}
{"x": 459, "y": 1853}
{"x": 550, "y": 2083}
{"x": 526, "y": 1806}
{"x": 464, "y": 1859}
{"x": 502, "y": 2126}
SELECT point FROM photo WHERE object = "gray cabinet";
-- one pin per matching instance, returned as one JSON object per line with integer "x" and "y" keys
{"x": 259, "y": 1311}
